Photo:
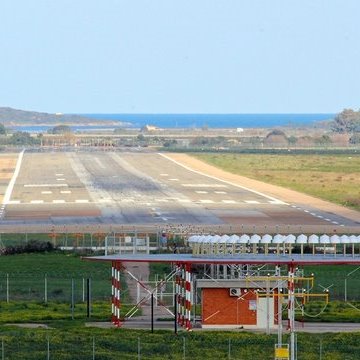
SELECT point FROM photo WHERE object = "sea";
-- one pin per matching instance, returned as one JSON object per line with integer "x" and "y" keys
{"x": 194, "y": 121}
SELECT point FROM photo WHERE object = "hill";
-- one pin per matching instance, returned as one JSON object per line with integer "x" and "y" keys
{"x": 11, "y": 117}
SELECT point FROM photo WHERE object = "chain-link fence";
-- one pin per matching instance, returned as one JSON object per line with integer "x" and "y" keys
{"x": 44, "y": 288}
{"x": 120, "y": 345}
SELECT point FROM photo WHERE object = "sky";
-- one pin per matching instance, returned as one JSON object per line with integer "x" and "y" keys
{"x": 180, "y": 56}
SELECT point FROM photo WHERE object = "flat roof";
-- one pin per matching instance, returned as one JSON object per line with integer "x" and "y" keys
{"x": 250, "y": 259}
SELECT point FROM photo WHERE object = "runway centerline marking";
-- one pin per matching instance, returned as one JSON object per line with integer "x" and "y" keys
{"x": 36, "y": 201}
{"x": 174, "y": 179}
{"x": 220, "y": 192}
{"x": 252, "y": 202}
{"x": 65, "y": 192}
{"x": 201, "y": 192}
{"x": 218, "y": 179}
{"x": 206, "y": 201}
{"x": 59, "y": 174}
{"x": 164, "y": 174}
{"x": 46, "y": 192}
{"x": 60, "y": 179}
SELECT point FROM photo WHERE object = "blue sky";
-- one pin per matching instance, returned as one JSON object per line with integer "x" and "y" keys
{"x": 167, "y": 56}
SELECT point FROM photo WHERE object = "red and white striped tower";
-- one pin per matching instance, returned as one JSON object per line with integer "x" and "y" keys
{"x": 115, "y": 292}
{"x": 188, "y": 302}
{"x": 183, "y": 299}
{"x": 178, "y": 293}
{"x": 291, "y": 310}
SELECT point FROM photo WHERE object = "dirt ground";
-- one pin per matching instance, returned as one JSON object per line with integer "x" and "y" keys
{"x": 286, "y": 195}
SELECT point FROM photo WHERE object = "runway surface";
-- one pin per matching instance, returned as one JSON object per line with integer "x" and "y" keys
{"x": 140, "y": 188}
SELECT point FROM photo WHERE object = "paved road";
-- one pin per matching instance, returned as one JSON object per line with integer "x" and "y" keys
{"x": 300, "y": 327}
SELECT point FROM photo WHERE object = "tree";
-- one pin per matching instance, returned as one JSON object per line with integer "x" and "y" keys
{"x": 2, "y": 129}
{"x": 324, "y": 140}
{"x": 348, "y": 121}
{"x": 60, "y": 129}
{"x": 22, "y": 138}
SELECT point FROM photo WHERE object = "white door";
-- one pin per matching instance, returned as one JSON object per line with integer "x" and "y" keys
{"x": 265, "y": 312}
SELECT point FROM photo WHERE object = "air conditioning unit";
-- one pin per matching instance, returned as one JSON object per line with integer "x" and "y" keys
{"x": 235, "y": 292}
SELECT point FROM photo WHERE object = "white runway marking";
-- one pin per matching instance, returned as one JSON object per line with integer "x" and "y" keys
{"x": 59, "y": 174}
{"x": 183, "y": 200}
{"x": 229, "y": 201}
{"x": 277, "y": 202}
{"x": 174, "y": 179}
{"x": 60, "y": 179}
{"x": 65, "y": 192}
{"x": 206, "y": 201}
{"x": 36, "y": 201}
{"x": 10, "y": 187}
{"x": 11, "y": 202}
{"x": 201, "y": 192}
{"x": 44, "y": 185}
{"x": 217, "y": 179}
{"x": 220, "y": 192}
{"x": 82, "y": 201}
{"x": 46, "y": 192}
{"x": 58, "y": 201}
{"x": 252, "y": 202}
{"x": 164, "y": 174}
{"x": 205, "y": 185}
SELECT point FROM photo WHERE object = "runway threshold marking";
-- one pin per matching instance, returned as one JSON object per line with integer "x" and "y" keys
{"x": 218, "y": 179}
{"x": 44, "y": 185}
{"x": 229, "y": 201}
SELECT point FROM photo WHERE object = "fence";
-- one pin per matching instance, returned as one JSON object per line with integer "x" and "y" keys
{"x": 46, "y": 344}
{"x": 44, "y": 288}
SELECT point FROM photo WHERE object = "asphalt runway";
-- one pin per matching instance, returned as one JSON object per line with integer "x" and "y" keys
{"x": 141, "y": 188}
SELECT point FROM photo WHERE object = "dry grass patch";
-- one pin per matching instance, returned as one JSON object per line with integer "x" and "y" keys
{"x": 335, "y": 178}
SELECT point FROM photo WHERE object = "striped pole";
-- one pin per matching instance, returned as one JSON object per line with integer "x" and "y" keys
{"x": 178, "y": 293}
{"x": 115, "y": 293}
{"x": 188, "y": 304}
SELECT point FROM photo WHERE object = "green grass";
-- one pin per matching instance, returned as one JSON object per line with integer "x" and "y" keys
{"x": 79, "y": 343}
{"x": 335, "y": 178}
{"x": 26, "y": 276}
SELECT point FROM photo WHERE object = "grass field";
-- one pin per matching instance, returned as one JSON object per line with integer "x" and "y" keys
{"x": 86, "y": 343}
{"x": 331, "y": 177}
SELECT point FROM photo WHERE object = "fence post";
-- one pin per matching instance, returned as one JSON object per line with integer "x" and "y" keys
{"x": 184, "y": 348}
{"x": 139, "y": 349}
{"x": 93, "y": 348}
{"x": 48, "y": 349}
{"x": 7, "y": 288}
{"x": 45, "y": 290}
{"x": 229, "y": 349}
{"x": 72, "y": 299}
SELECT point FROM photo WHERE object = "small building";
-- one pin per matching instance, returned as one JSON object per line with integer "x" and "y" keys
{"x": 237, "y": 303}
